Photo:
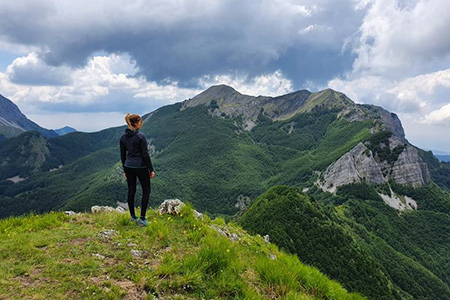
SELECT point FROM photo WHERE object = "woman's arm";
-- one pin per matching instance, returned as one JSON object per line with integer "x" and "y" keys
{"x": 123, "y": 153}
{"x": 145, "y": 155}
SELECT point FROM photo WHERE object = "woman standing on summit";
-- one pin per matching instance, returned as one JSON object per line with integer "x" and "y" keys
{"x": 136, "y": 164}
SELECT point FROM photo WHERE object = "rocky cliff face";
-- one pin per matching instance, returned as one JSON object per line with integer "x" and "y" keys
{"x": 410, "y": 169}
{"x": 362, "y": 164}
{"x": 355, "y": 166}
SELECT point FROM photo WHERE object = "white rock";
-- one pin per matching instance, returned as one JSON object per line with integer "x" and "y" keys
{"x": 234, "y": 237}
{"x": 137, "y": 253}
{"x": 397, "y": 203}
{"x": 198, "y": 215}
{"x": 96, "y": 209}
{"x": 171, "y": 206}
{"x": 107, "y": 233}
{"x": 120, "y": 209}
{"x": 219, "y": 231}
{"x": 267, "y": 238}
{"x": 70, "y": 212}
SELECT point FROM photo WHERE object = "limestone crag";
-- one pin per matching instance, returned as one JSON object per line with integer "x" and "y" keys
{"x": 410, "y": 169}
{"x": 361, "y": 165}
{"x": 353, "y": 167}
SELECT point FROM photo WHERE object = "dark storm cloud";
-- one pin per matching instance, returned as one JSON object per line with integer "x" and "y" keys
{"x": 183, "y": 41}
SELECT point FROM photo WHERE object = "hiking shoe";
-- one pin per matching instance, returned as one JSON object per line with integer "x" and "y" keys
{"x": 142, "y": 222}
{"x": 133, "y": 219}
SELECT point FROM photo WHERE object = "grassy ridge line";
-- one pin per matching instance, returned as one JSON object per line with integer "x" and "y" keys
{"x": 105, "y": 256}
{"x": 303, "y": 227}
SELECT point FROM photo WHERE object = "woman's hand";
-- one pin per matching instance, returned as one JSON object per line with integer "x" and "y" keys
{"x": 125, "y": 175}
{"x": 152, "y": 174}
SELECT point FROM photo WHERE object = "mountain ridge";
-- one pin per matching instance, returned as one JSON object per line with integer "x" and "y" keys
{"x": 13, "y": 122}
{"x": 225, "y": 100}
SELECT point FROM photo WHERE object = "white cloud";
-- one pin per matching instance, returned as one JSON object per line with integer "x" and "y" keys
{"x": 30, "y": 70}
{"x": 440, "y": 116}
{"x": 403, "y": 38}
{"x": 105, "y": 85}
{"x": 17, "y": 48}
{"x": 423, "y": 87}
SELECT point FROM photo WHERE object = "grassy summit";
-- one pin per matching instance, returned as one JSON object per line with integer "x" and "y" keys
{"x": 105, "y": 256}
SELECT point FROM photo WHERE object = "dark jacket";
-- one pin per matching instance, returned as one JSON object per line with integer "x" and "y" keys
{"x": 134, "y": 151}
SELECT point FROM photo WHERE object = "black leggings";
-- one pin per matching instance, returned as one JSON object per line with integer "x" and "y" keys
{"x": 144, "y": 178}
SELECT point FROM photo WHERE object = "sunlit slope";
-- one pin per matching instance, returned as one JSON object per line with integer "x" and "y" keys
{"x": 105, "y": 256}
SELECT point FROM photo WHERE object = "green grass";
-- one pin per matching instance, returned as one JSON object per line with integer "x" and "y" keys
{"x": 54, "y": 256}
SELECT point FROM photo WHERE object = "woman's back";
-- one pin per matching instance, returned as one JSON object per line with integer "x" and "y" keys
{"x": 134, "y": 150}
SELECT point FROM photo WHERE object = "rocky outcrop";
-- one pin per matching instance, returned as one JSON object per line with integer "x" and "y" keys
{"x": 98, "y": 209}
{"x": 400, "y": 203}
{"x": 361, "y": 165}
{"x": 171, "y": 206}
{"x": 174, "y": 207}
{"x": 387, "y": 121}
{"x": 410, "y": 168}
{"x": 355, "y": 166}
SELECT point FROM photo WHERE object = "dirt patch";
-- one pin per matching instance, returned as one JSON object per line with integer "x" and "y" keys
{"x": 70, "y": 260}
{"x": 78, "y": 241}
{"x": 109, "y": 261}
{"x": 24, "y": 280}
{"x": 126, "y": 284}
{"x": 31, "y": 281}
{"x": 98, "y": 281}
{"x": 81, "y": 219}
{"x": 36, "y": 272}
{"x": 133, "y": 292}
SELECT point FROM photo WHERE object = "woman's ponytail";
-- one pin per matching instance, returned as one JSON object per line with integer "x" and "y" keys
{"x": 132, "y": 121}
{"x": 127, "y": 119}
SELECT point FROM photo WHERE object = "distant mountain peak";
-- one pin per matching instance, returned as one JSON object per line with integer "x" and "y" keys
{"x": 221, "y": 91}
{"x": 65, "y": 130}
{"x": 221, "y": 88}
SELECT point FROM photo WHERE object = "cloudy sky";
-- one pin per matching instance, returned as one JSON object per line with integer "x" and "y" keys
{"x": 87, "y": 63}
